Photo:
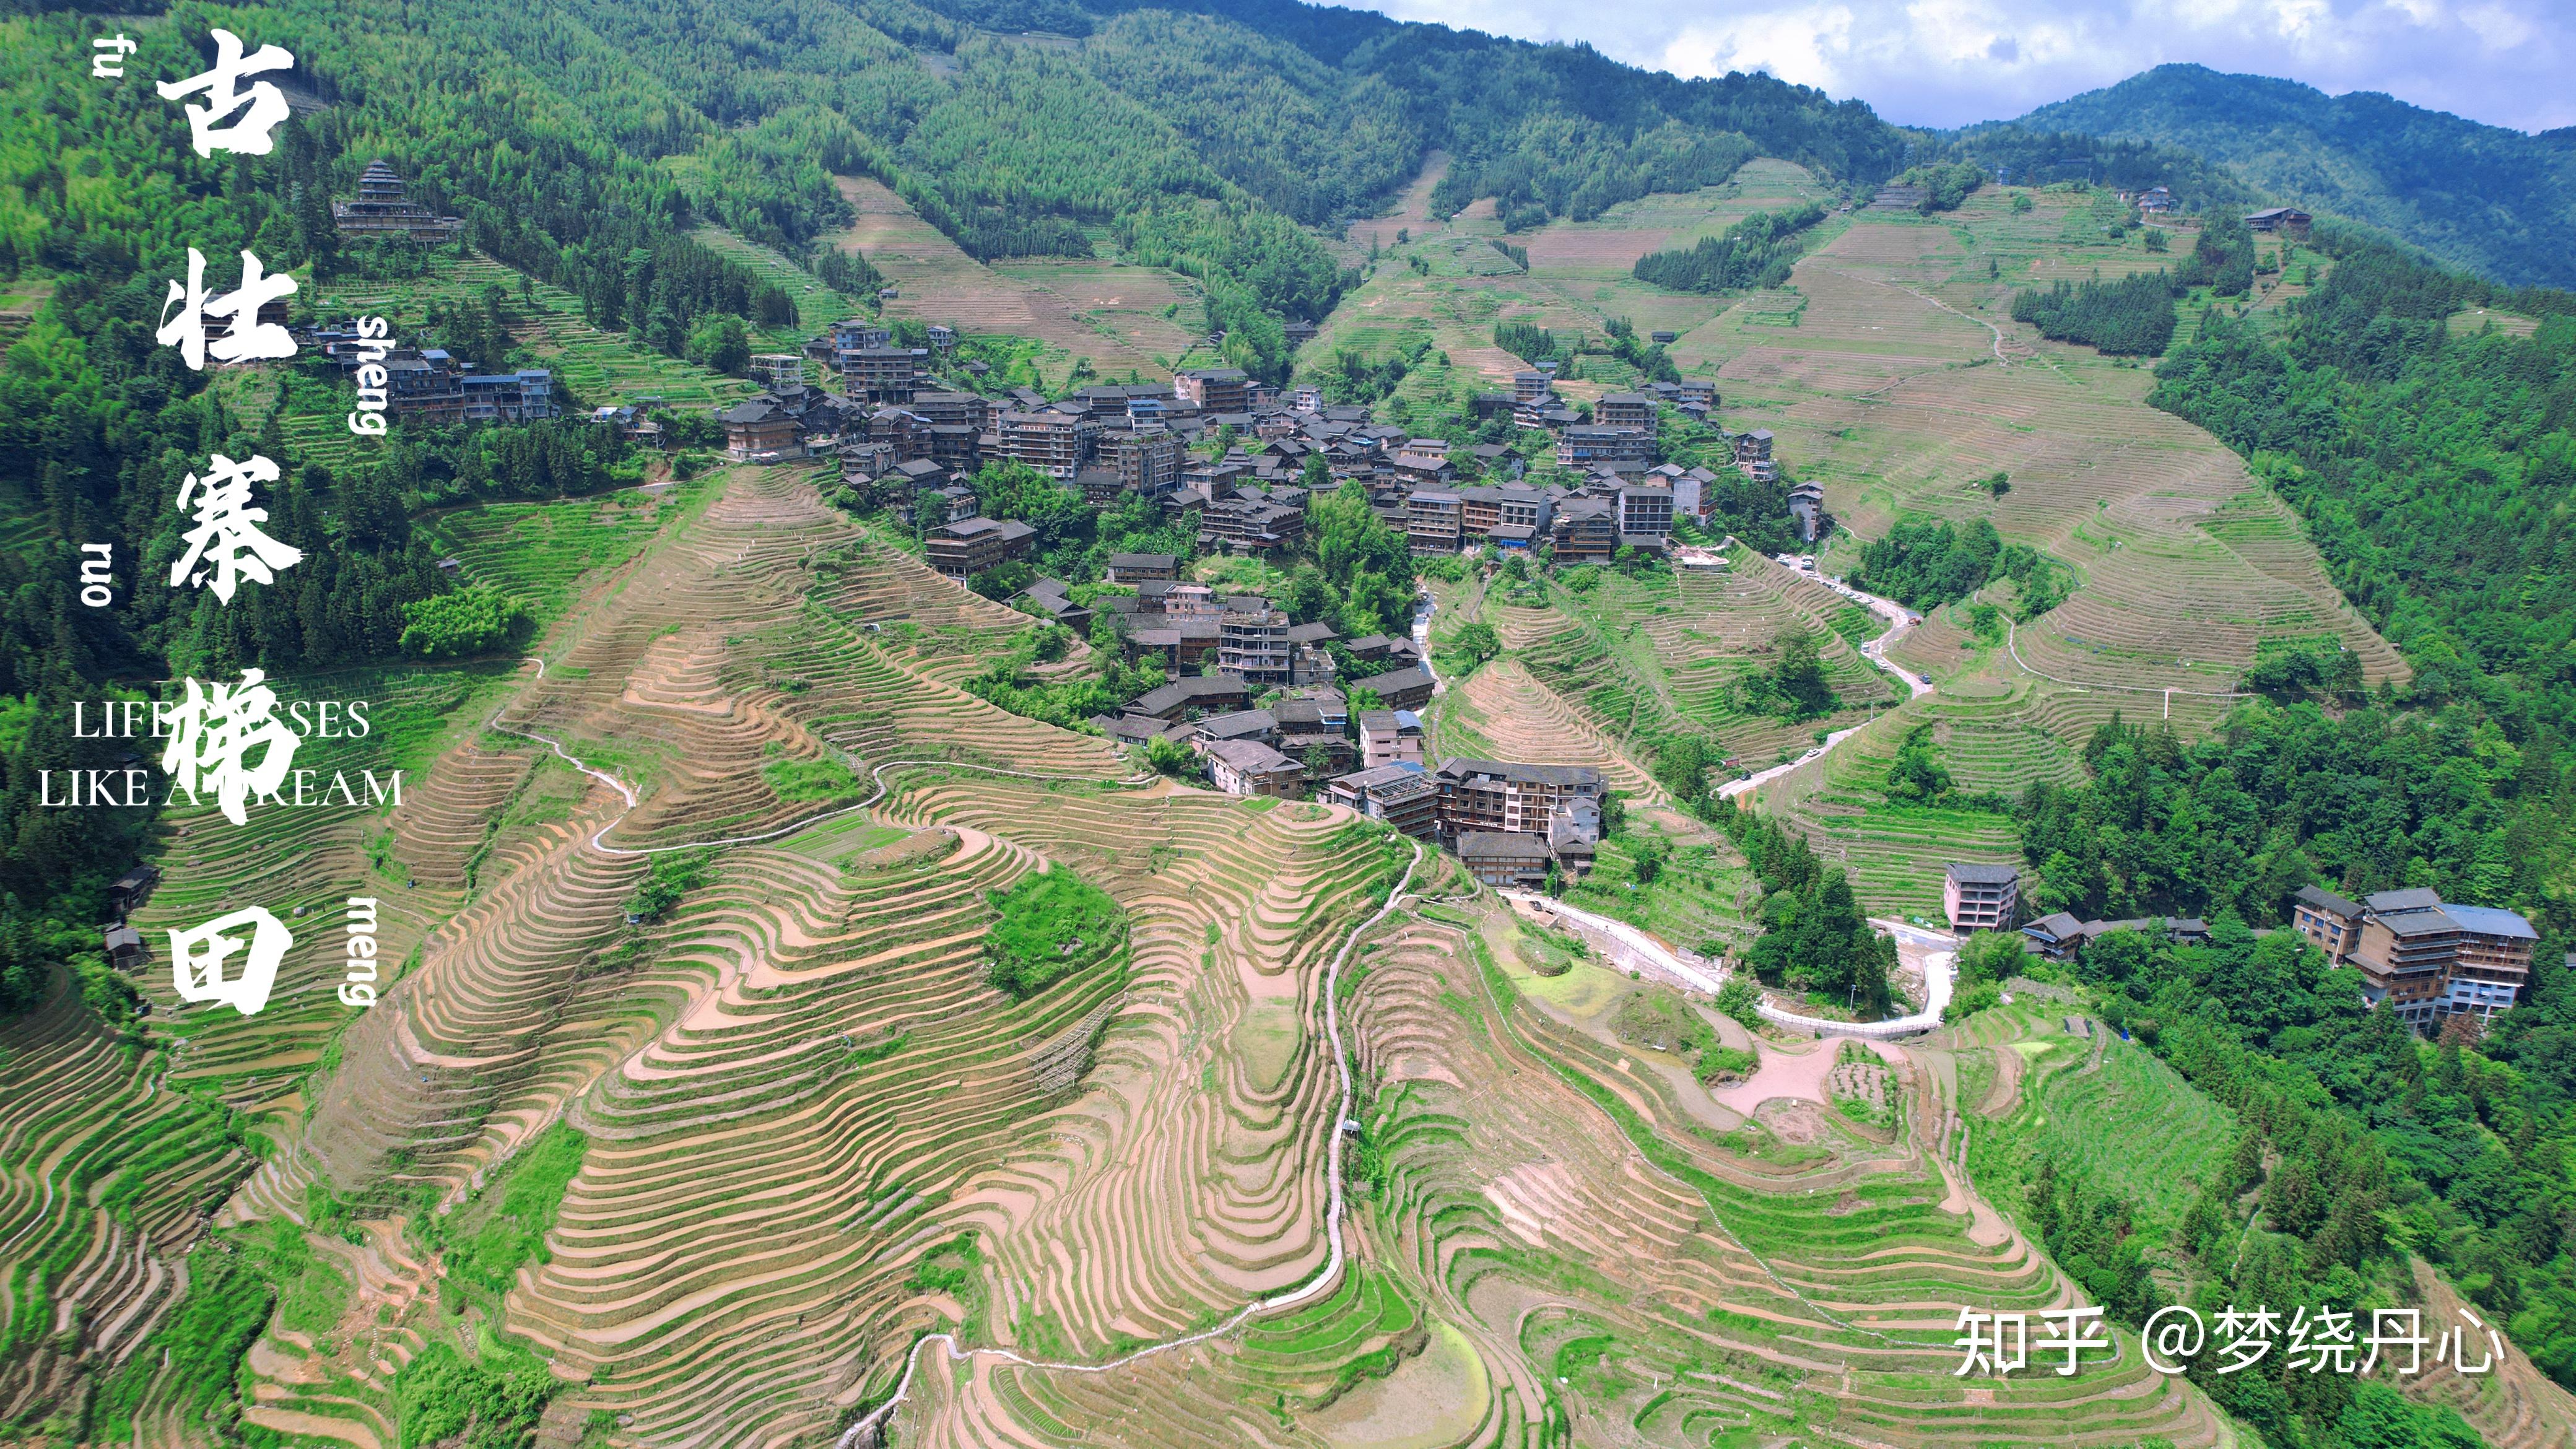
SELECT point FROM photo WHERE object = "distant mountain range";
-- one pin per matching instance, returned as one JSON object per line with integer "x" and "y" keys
{"x": 2494, "y": 201}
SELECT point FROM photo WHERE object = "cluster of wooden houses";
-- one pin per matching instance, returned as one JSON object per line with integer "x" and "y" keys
{"x": 2159, "y": 202}
{"x": 1509, "y": 823}
{"x": 429, "y": 386}
{"x": 1261, "y": 700}
{"x": 907, "y": 440}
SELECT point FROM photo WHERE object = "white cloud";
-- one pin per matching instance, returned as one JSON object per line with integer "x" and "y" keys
{"x": 1800, "y": 46}
{"x": 1949, "y": 62}
{"x": 2499, "y": 26}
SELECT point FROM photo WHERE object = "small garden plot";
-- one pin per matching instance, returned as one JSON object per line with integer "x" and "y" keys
{"x": 1863, "y": 1089}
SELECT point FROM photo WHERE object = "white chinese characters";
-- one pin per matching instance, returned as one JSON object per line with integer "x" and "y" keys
{"x": 1999, "y": 1343}
{"x": 215, "y": 731}
{"x": 248, "y": 135}
{"x": 227, "y": 538}
{"x": 2320, "y": 1340}
{"x": 246, "y": 338}
{"x": 227, "y": 738}
{"x": 198, "y": 958}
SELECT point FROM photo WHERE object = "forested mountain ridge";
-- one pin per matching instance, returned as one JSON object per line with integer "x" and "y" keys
{"x": 1545, "y": 129}
{"x": 2492, "y": 200}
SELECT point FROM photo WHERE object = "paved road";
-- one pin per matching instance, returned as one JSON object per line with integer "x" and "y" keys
{"x": 1422, "y": 607}
{"x": 1629, "y": 948}
{"x": 1901, "y": 619}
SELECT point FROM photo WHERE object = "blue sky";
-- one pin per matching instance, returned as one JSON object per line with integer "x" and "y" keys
{"x": 1949, "y": 62}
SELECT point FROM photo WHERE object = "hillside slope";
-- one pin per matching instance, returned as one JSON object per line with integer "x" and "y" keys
{"x": 2496, "y": 201}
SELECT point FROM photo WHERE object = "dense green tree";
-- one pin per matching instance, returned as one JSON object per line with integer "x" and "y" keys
{"x": 1819, "y": 942}
{"x": 1755, "y": 252}
{"x": 1945, "y": 184}
{"x": 721, "y": 344}
{"x": 1368, "y": 564}
{"x": 1008, "y": 489}
{"x": 1796, "y": 685}
{"x": 1916, "y": 776}
{"x": 1682, "y": 764}
{"x": 469, "y": 621}
{"x": 2129, "y": 317}
{"x": 1475, "y": 642}
{"x": 1923, "y": 563}
{"x": 2222, "y": 258}
{"x": 1990, "y": 956}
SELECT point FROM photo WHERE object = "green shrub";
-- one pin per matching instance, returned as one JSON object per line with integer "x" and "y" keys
{"x": 467, "y": 622}
{"x": 507, "y": 1223}
{"x": 1972, "y": 998}
{"x": 673, "y": 876}
{"x": 722, "y": 344}
{"x": 1742, "y": 1000}
{"x": 803, "y": 781}
{"x": 1990, "y": 956}
{"x": 1720, "y": 1063}
{"x": 201, "y": 1344}
{"x": 949, "y": 1268}
{"x": 1661, "y": 1021}
{"x": 1052, "y": 924}
{"x": 489, "y": 1401}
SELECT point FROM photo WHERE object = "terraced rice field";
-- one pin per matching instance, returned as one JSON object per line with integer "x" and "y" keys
{"x": 1501, "y": 713}
{"x": 1902, "y": 381}
{"x": 2108, "y": 1110}
{"x": 170, "y": 1125}
{"x": 935, "y": 627}
{"x": 1579, "y": 271}
{"x": 1109, "y": 314}
{"x": 1906, "y": 380}
{"x": 1129, "y": 309}
{"x": 817, "y": 305}
{"x": 1897, "y": 380}
{"x": 1668, "y": 654}
{"x": 814, "y": 1132}
{"x": 539, "y": 552}
{"x": 1896, "y": 854}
